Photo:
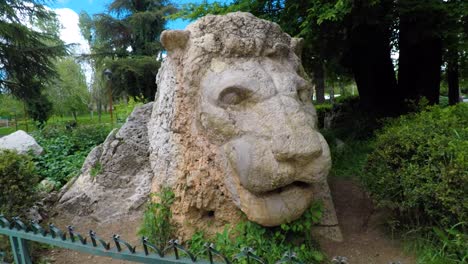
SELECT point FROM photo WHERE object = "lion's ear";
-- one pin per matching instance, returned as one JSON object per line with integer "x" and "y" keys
{"x": 174, "y": 39}
{"x": 296, "y": 46}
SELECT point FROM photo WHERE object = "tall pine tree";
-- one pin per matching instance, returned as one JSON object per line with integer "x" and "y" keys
{"x": 27, "y": 55}
{"x": 125, "y": 40}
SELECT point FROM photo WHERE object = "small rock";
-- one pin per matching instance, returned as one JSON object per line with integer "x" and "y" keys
{"x": 47, "y": 185}
{"x": 340, "y": 260}
{"x": 34, "y": 215}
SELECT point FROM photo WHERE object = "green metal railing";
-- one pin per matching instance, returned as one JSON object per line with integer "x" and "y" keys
{"x": 20, "y": 233}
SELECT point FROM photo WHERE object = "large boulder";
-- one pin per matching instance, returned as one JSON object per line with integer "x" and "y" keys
{"x": 233, "y": 127}
{"x": 116, "y": 176}
{"x": 232, "y": 130}
{"x": 22, "y": 142}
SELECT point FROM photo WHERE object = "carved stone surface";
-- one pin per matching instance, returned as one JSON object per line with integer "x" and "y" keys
{"x": 116, "y": 176}
{"x": 233, "y": 126}
{"x": 232, "y": 130}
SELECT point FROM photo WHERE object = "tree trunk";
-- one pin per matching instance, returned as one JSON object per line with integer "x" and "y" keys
{"x": 332, "y": 91}
{"x": 319, "y": 83}
{"x": 369, "y": 59}
{"x": 452, "y": 79}
{"x": 74, "y": 116}
{"x": 342, "y": 88}
{"x": 99, "y": 110}
{"x": 420, "y": 53}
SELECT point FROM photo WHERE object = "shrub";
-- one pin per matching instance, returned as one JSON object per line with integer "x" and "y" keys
{"x": 438, "y": 246}
{"x": 65, "y": 151}
{"x": 269, "y": 243}
{"x": 419, "y": 167}
{"x": 17, "y": 183}
{"x": 157, "y": 218}
{"x": 348, "y": 156}
{"x": 87, "y": 137}
{"x": 123, "y": 110}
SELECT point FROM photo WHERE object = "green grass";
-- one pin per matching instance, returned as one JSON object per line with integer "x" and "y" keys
{"x": 96, "y": 169}
{"x": 437, "y": 246}
{"x": 84, "y": 119}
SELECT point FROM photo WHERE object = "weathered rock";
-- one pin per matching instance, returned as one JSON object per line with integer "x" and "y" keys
{"x": 21, "y": 142}
{"x": 233, "y": 126}
{"x": 116, "y": 177}
{"x": 232, "y": 130}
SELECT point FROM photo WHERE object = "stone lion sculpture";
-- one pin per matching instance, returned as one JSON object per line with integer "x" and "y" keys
{"x": 233, "y": 126}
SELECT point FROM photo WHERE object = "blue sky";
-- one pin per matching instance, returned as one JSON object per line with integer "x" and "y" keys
{"x": 67, "y": 13}
{"x": 99, "y": 6}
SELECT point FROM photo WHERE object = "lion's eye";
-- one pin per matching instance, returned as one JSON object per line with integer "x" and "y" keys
{"x": 233, "y": 95}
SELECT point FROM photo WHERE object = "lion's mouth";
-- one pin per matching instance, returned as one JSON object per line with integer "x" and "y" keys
{"x": 294, "y": 185}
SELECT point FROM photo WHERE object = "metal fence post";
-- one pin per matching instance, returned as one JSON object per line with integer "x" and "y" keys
{"x": 19, "y": 248}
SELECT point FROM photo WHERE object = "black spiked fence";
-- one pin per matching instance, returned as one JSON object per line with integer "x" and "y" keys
{"x": 20, "y": 233}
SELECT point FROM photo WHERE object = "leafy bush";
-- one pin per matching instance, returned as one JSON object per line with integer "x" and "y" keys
{"x": 65, "y": 151}
{"x": 123, "y": 110}
{"x": 87, "y": 137}
{"x": 17, "y": 182}
{"x": 269, "y": 243}
{"x": 439, "y": 246}
{"x": 157, "y": 218}
{"x": 419, "y": 167}
{"x": 349, "y": 156}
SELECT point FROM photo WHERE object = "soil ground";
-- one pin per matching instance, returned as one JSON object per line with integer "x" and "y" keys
{"x": 364, "y": 239}
{"x": 126, "y": 228}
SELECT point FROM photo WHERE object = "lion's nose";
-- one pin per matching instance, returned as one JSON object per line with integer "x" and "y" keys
{"x": 296, "y": 145}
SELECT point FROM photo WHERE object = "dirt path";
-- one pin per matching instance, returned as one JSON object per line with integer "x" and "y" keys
{"x": 126, "y": 228}
{"x": 364, "y": 241}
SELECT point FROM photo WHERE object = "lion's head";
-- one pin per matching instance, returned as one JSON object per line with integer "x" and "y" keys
{"x": 233, "y": 123}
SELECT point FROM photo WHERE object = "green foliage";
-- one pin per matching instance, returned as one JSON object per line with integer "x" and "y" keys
{"x": 419, "y": 167}
{"x": 134, "y": 75}
{"x": 28, "y": 53}
{"x": 349, "y": 156}
{"x": 322, "y": 110}
{"x": 439, "y": 246}
{"x": 125, "y": 40}
{"x": 157, "y": 218}
{"x": 269, "y": 243}
{"x": 10, "y": 107}
{"x": 96, "y": 169}
{"x": 65, "y": 151}
{"x": 443, "y": 101}
{"x": 68, "y": 93}
{"x": 17, "y": 182}
{"x": 123, "y": 110}
{"x": 39, "y": 107}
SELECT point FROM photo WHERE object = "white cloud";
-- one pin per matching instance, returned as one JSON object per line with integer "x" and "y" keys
{"x": 70, "y": 33}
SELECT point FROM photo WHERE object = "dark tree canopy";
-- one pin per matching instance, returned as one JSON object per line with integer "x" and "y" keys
{"x": 26, "y": 55}
{"x": 357, "y": 36}
{"x": 126, "y": 41}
